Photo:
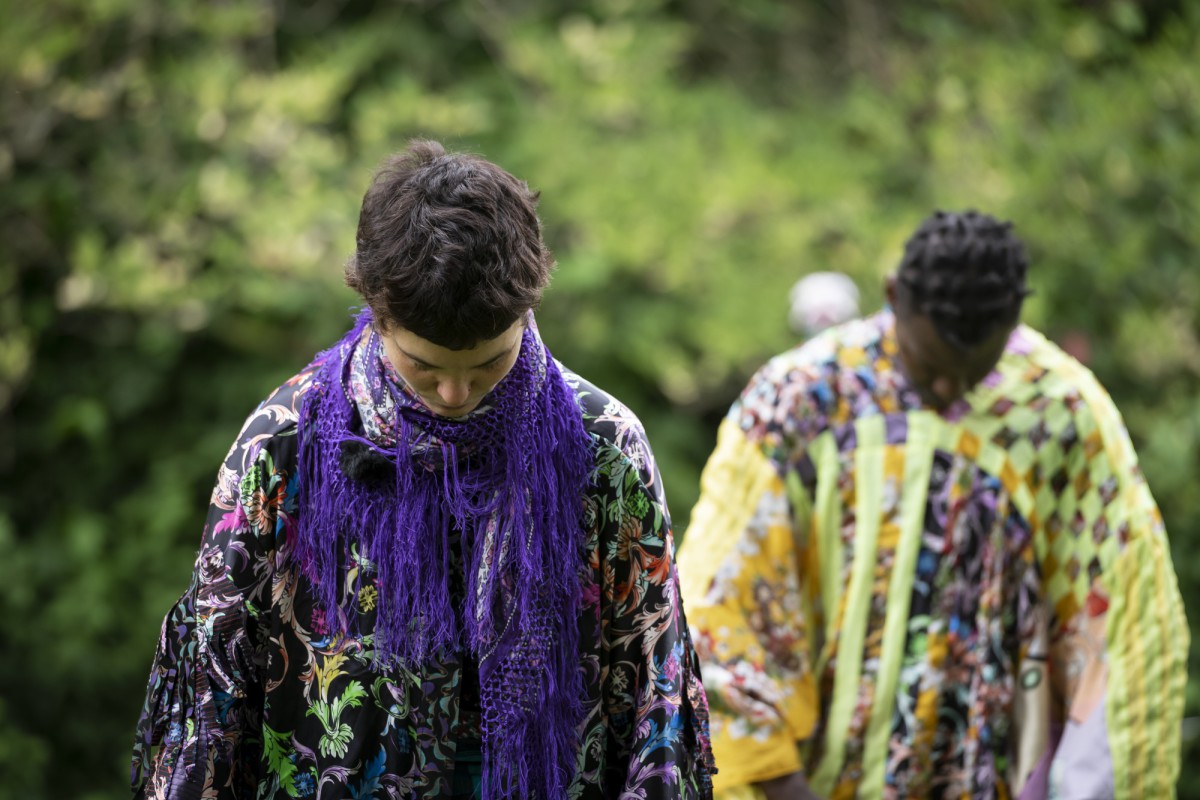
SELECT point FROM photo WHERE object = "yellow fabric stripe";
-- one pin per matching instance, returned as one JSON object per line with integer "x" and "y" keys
{"x": 868, "y": 468}
{"x": 1154, "y": 624}
{"x": 1172, "y": 677}
{"x": 735, "y": 477}
{"x": 918, "y": 464}
{"x": 827, "y": 508}
{"x": 808, "y": 570}
{"x": 1148, "y": 639}
{"x": 1126, "y": 677}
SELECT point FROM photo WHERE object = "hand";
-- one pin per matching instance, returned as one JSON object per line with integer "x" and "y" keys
{"x": 745, "y": 690}
{"x": 788, "y": 787}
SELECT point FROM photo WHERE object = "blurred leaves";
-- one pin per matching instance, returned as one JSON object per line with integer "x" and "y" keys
{"x": 180, "y": 190}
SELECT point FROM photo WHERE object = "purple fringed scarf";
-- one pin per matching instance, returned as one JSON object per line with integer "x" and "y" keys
{"x": 510, "y": 477}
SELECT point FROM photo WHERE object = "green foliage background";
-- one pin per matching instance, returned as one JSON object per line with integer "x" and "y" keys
{"x": 179, "y": 185}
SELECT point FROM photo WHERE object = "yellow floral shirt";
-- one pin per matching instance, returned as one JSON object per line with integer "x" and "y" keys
{"x": 900, "y": 603}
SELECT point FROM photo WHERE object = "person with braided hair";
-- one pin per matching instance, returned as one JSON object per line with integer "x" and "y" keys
{"x": 924, "y": 563}
{"x": 437, "y": 563}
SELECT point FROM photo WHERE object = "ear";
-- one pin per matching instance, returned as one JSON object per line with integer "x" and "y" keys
{"x": 889, "y": 290}
{"x": 379, "y": 323}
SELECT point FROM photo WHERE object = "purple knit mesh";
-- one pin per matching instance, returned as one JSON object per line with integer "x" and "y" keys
{"x": 511, "y": 479}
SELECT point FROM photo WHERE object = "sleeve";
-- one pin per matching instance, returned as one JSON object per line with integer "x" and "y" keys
{"x": 199, "y": 731}
{"x": 654, "y": 701}
{"x": 741, "y": 563}
{"x": 1118, "y": 635}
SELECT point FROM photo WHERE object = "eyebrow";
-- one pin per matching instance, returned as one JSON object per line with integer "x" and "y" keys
{"x": 422, "y": 362}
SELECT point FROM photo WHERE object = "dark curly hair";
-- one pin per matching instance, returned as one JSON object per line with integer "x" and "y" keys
{"x": 966, "y": 272}
{"x": 449, "y": 247}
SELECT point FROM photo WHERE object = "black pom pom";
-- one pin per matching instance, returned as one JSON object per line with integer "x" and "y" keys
{"x": 361, "y": 463}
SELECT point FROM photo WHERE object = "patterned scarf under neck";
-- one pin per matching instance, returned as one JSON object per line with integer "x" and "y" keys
{"x": 509, "y": 478}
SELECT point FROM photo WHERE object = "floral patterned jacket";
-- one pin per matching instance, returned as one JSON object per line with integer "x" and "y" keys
{"x": 977, "y": 603}
{"x": 250, "y": 695}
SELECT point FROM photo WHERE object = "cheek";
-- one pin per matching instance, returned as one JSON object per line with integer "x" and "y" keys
{"x": 420, "y": 381}
{"x": 489, "y": 380}
{"x": 483, "y": 385}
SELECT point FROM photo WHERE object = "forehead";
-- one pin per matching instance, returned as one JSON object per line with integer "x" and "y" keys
{"x": 423, "y": 350}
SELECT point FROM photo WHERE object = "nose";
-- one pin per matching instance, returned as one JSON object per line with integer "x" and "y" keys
{"x": 453, "y": 392}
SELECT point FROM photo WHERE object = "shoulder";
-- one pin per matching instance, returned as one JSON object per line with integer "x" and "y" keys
{"x": 793, "y": 397}
{"x": 270, "y": 429}
{"x": 613, "y": 426}
{"x": 1049, "y": 364}
{"x": 626, "y": 490}
{"x": 605, "y": 417}
{"x": 1052, "y": 397}
{"x": 1041, "y": 369}
{"x": 257, "y": 471}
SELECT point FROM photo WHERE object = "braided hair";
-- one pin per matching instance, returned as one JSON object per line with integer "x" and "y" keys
{"x": 966, "y": 272}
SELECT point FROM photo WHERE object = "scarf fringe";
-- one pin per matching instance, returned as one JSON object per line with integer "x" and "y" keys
{"x": 511, "y": 484}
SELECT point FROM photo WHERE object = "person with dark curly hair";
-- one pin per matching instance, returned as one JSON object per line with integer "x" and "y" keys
{"x": 438, "y": 563}
{"x": 924, "y": 562}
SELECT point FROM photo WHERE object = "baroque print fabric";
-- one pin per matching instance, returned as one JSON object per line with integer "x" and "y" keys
{"x": 900, "y": 603}
{"x": 253, "y": 691}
